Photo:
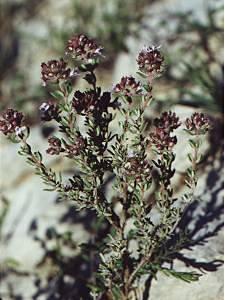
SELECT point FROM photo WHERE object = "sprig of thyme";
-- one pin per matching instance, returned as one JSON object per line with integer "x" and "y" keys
{"x": 97, "y": 154}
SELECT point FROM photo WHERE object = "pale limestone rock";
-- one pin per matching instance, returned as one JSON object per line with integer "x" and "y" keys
{"x": 209, "y": 287}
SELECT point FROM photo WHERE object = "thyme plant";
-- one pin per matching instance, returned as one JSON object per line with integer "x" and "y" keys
{"x": 137, "y": 162}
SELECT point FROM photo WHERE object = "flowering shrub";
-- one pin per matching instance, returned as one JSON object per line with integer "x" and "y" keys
{"x": 131, "y": 156}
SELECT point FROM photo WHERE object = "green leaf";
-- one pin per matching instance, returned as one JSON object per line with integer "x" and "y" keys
{"x": 141, "y": 74}
{"x": 190, "y": 157}
{"x": 69, "y": 87}
{"x": 199, "y": 158}
{"x": 190, "y": 172}
{"x": 57, "y": 95}
{"x": 117, "y": 293}
{"x": 188, "y": 131}
{"x": 38, "y": 155}
{"x": 147, "y": 87}
{"x": 185, "y": 276}
{"x": 192, "y": 144}
{"x": 49, "y": 189}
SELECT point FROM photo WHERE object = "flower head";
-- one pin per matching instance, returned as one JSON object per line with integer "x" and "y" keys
{"x": 83, "y": 48}
{"x": 11, "y": 121}
{"x": 164, "y": 126}
{"x": 49, "y": 111}
{"x": 128, "y": 87}
{"x": 167, "y": 121}
{"x": 55, "y": 146}
{"x": 54, "y": 70}
{"x": 150, "y": 60}
{"x": 162, "y": 139}
{"x": 84, "y": 101}
{"x": 138, "y": 168}
{"x": 199, "y": 123}
{"x": 76, "y": 148}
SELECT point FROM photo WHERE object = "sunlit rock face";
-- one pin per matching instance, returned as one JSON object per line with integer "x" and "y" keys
{"x": 31, "y": 214}
{"x": 205, "y": 219}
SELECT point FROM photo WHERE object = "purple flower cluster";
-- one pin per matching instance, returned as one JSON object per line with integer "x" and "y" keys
{"x": 199, "y": 123}
{"x": 128, "y": 86}
{"x": 76, "y": 148}
{"x": 168, "y": 121}
{"x": 54, "y": 70}
{"x": 84, "y": 101}
{"x": 11, "y": 121}
{"x": 161, "y": 136}
{"x": 55, "y": 147}
{"x": 162, "y": 140}
{"x": 49, "y": 111}
{"x": 150, "y": 60}
{"x": 83, "y": 48}
{"x": 138, "y": 168}
{"x": 92, "y": 102}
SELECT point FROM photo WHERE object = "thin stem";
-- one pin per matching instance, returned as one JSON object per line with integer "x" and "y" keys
{"x": 39, "y": 166}
{"x": 143, "y": 261}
